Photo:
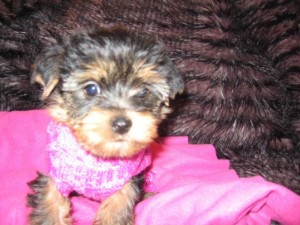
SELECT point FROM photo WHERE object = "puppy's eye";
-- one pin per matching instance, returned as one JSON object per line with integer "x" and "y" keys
{"x": 142, "y": 93}
{"x": 92, "y": 89}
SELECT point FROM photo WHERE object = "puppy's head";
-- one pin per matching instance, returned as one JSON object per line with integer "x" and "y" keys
{"x": 110, "y": 86}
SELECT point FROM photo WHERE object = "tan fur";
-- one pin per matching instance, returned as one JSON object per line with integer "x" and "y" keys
{"x": 60, "y": 205}
{"x": 57, "y": 110}
{"x": 147, "y": 73}
{"x": 39, "y": 79}
{"x": 96, "y": 70}
{"x": 48, "y": 88}
{"x": 53, "y": 205}
{"x": 94, "y": 130}
{"x": 118, "y": 206}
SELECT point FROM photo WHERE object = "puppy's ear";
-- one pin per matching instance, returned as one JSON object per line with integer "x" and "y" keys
{"x": 167, "y": 69}
{"x": 46, "y": 70}
{"x": 175, "y": 81}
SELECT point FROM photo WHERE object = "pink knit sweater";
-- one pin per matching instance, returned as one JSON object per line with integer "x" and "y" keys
{"x": 74, "y": 169}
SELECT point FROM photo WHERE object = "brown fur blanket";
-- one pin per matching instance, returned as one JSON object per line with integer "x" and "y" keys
{"x": 240, "y": 61}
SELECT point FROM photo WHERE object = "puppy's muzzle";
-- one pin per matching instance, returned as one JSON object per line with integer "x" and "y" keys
{"x": 121, "y": 125}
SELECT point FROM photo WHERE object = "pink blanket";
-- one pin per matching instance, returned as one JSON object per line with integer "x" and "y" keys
{"x": 192, "y": 185}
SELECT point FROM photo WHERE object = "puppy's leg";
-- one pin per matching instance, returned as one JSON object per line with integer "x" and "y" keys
{"x": 49, "y": 206}
{"x": 118, "y": 209}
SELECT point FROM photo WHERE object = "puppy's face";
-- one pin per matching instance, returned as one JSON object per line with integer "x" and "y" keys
{"x": 111, "y": 87}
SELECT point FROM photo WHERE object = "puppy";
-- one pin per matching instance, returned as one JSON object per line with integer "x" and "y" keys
{"x": 110, "y": 88}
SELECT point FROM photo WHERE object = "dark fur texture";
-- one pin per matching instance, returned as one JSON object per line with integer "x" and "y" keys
{"x": 239, "y": 59}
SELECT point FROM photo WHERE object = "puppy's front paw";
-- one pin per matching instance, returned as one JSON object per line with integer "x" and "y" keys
{"x": 110, "y": 216}
{"x": 118, "y": 209}
{"x": 49, "y": 206}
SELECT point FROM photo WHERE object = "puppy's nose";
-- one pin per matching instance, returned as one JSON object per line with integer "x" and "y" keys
{"x": 121, "y": 125}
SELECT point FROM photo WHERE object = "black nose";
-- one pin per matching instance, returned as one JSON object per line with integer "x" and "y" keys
{"x": 121, "y": 125}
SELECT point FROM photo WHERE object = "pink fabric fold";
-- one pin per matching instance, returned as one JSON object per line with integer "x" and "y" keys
{"x": 192, "y": 186}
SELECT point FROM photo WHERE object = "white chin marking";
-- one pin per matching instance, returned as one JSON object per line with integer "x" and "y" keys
{"x": 117, "y": 145}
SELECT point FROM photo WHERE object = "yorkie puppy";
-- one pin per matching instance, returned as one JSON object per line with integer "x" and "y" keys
{"x": 110, "y": 88}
